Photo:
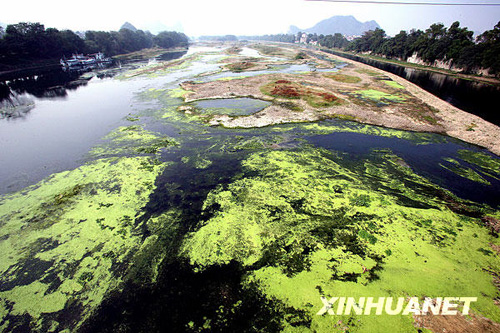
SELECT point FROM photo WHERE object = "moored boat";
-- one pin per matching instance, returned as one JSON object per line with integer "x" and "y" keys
{"x": 79, "y": 61}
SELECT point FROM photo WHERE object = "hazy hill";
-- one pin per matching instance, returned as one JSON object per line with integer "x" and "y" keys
{"x": 128, "y": 26}
{"x": 157, "y": 26}
{"x": 346, "y": 25}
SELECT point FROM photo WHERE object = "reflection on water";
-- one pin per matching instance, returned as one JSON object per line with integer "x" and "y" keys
{"x": 56, "y": 83}
{"x": 46, "y": 85}
{"x": 51, "y": 127}
{"x": 59, "y": 131}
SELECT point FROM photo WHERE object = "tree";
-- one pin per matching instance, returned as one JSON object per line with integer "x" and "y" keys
{"x": 169, "y": 39}
{"x": 71, "y": 42}
{"x": 371, "y": 40}
{"x": 339, "y": 41}
{"x": 489, "y": 50}
{"x": 25, "y": 39}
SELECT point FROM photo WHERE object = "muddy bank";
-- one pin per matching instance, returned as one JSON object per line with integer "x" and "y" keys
{"x": 363, "y": 93}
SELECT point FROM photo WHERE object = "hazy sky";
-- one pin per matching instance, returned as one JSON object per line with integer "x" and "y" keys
{"x": 218, "y": 17}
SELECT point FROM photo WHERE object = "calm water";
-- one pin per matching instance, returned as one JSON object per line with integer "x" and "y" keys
{"x": 57, "y": 133}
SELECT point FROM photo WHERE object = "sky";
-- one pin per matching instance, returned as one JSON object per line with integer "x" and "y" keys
{"x": 255, "y": 17}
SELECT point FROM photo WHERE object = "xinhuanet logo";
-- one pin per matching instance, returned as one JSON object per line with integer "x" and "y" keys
{"x": 395, "y": 306}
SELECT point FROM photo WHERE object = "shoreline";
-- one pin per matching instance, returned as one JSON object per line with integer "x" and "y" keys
{"x": 454, "y": 117}
{"x": 491, "y": 80}
{"x": 49, "y": 65}
{"x": 407, "y": 107}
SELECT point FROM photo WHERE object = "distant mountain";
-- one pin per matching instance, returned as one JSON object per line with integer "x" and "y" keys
{"x": 128, "y": 26}
{"x": 156, "y": 27}
{"x": 345, "y": 25}
{"x": 2, "y": 29}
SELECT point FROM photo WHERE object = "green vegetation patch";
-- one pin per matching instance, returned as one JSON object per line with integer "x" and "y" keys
{"x": 455, "y": 167}
{"x": 198, "y": 161}
{"x": 132, "y": 139}
{"x": 308, "y": 223}
{"x": 379, "y": 96}
{"x": 367, "y": 71}
{"x": 143, "y": 54}
{"x": 161, "y": 68}
{"x": 393, "y": 84}
{"x": 233, "y": 50}
{"x": 343, "y": 78}
{"x": 69, "y": 240}
{"x": 301, "y": 55}
{"x": 287, "y": 89}
{"x": 485, "y": 161}
{"x": 328, "y": 127}
{"x": 177, "y": 93}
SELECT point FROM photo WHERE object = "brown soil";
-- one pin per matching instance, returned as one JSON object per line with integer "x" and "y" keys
{"x": 457, "y": 323}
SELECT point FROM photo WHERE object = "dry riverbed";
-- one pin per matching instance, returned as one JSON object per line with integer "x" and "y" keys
{"x": 357, "y": 92}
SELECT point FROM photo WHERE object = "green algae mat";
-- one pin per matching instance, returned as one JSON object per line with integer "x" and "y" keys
{"x": 331, "y": 226}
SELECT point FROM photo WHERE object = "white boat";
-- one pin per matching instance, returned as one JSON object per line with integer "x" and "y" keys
{"x": 79, "y": 61}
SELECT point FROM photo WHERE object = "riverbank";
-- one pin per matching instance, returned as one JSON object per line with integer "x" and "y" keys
{"x": 33, "y": 69}
{"x": 472, "y": 77}
{"x": 358, "y": 92}
{"x": 148, "y": 53}
{"x": 49, "y": 65}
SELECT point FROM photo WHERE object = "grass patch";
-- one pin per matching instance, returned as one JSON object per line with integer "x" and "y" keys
{"x": 367, "y": 71}
{"x": 393, "y": 84}
{"x": 343, "y": 78}
{"x": 471, "y": 127}
{"x": 300, "y": 56}
{"x": 379, "y": 96}
{"x": 345, "y": 117}
{"x": 290, "y": 106}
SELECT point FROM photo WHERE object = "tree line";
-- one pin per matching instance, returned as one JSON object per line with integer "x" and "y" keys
{"x": 455, "y": 45}
{"x": 23, "y": 43}
{"x": 226, "y": 38}
{"x": 284, "y": 38}
{"x": 437, "y": 43}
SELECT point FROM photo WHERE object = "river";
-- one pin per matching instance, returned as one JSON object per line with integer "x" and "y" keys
{"x": 123, "y": 210}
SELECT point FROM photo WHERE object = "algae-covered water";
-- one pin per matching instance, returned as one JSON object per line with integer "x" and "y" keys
{"x": 152, "y": 221}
